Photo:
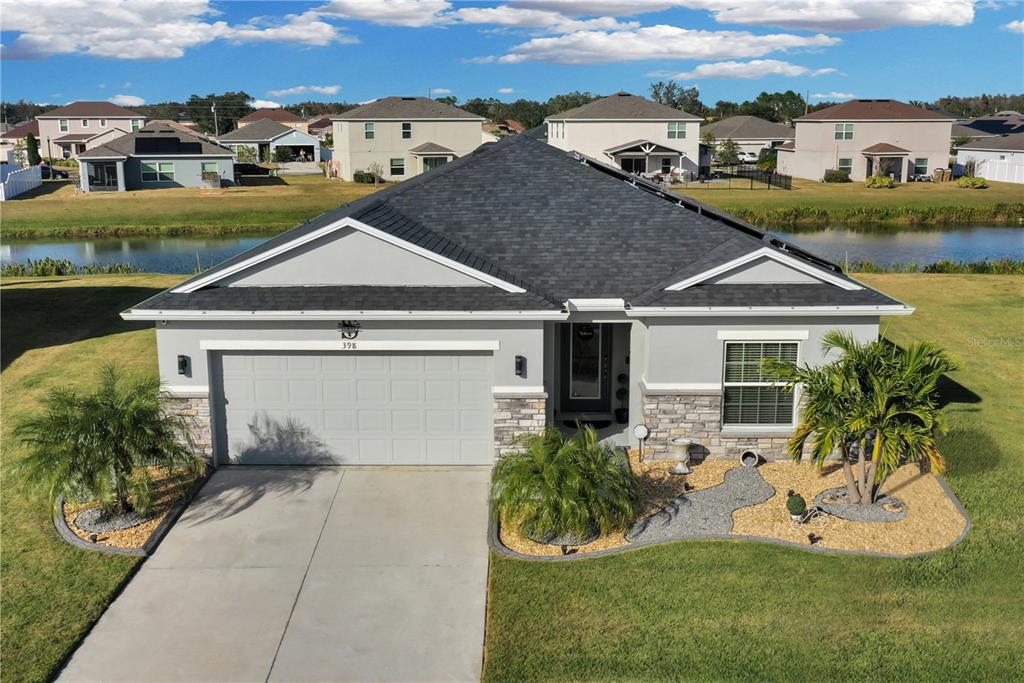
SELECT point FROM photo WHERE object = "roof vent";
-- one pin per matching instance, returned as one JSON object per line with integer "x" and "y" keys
{"x": 623, "y": 93}
{"x": 408, "y": 98}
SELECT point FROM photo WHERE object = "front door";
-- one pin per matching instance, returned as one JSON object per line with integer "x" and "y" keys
{"x": 586, "y": 367}
{"x": 430, "y": 163}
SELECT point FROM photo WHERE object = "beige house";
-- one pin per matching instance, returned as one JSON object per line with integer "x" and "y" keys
{"x": 750, "y": 133}
{"x": 66, "y": 131}
{"x": 13, "y": 141}
{"x": 630, "y": 132}
{"x": 282, "y": 116}
{"x": 868, "y": 137}
{"x": 403, "y": 136}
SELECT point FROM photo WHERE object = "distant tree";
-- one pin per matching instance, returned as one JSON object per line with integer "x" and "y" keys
{"x": 671, "y": 94}
{"x": 527, "y": 112}
{"x": 448, "y": 99}
{"x": 780, "y": 107}
{"x": 723, "y": 109}
{"x": 231, "y": 106}
{"x": 245, "y": 154}
{"x": 767, "y": 159}
{"x": 560, "y": 103}
{"x": 486, "y": 108}
{"x": 32, "y": 150}
{"x": 729, "y": 152}
{"x": 709, "y": 138}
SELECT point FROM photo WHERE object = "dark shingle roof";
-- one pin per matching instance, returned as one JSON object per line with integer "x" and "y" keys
{"x": 90, "y": 109}
{"x": 747, "y": 128}
{"x": 1010, "y": 143}
{"x": 156, "y": 139}
{"x": 22, "y": 130}
{"x": 276, "y": 114}
{"x": 407, "y": 108}
{"x": 882, "y": 110}
{"x": 990, "y": 125}
{"x": 430, "y": 148}
{"x": 623, "y": 105}
{"x": 884, "y": 148}
{"x": 571, "y": 228}
{"x": 263, "y": 130}
{"x": 740, "y": 296}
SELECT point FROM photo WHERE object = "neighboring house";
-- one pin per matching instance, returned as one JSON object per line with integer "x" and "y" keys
{"x": 633, "y": 133}
{"x": 436, "y": 320}
{"x": 1000, "y": 123}
{"x": 13, "y": 139}
{"x": 282, "y": 116}
{"x": 404, "y": 136}
{"x": 156, "y": 156}
{"x": 500, "y": 129}
{"x": 996, "y": 158}
{"x": 67, "y": 131}
{"x": 750, "y": 133}
{"x": 868, "y": 137}
{"x": 320, "y": 126}
{"x": 266, "y": 136}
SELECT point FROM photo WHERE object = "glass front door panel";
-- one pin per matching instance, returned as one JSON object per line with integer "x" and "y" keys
{"x": 585, "y": 359}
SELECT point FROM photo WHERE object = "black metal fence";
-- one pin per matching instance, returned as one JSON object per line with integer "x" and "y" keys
{"x": 740, "y": 177}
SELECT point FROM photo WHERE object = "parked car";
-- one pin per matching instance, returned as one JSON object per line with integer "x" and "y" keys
{"x": 747, "y": 158}
{"x": 50, "y": 173}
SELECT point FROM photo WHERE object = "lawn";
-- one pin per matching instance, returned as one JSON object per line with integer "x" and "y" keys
{"x": 811, "y": 201}
{"x": 731, "y": 610}
{"x": 55, "y": 210}
{"x": 698, "y": 610}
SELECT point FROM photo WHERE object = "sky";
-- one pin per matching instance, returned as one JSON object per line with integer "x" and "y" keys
{"x": 147, "y": 51}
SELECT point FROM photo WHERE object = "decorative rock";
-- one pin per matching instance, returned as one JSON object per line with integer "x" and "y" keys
{"x": 875, "y": 512}
{"x": 91, "y": 520}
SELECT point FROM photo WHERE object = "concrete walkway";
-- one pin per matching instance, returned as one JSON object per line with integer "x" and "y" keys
{"x": 307, "y": 574}
{"x": 299, "y": 168}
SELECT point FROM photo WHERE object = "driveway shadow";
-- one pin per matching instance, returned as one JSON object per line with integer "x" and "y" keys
{"x": 234, "y": 489}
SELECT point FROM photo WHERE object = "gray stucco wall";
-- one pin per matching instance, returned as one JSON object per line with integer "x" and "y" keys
{"x": 349, "y": 257}
{"x": 187, "y": 172}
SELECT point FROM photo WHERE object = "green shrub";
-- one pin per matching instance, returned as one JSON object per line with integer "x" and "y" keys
{"x": 54, "y": 267}
{"x": 972, "y": 182}
{"x": 1004, "y": 266}
{"x": 283, "y": 155}
{"x": 565, "y": 487}
{"x": 834, "y": 175}
{"x": 364, "y": 177}
{"x": 796, "y": 504}
{"x": 880, "y": 182}
{"x": 767, "y": 160}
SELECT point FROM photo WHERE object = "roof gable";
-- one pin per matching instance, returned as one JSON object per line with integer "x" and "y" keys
{"x": 274, "y": 114}
{"x": 623, "y": 105}
{"x": 407, "y": 108}
{"x": 262, "y": 130}
{"x": 877, "y": 110}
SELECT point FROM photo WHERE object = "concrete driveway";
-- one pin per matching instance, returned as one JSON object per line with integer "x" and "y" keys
{"x": 307, "y": 574}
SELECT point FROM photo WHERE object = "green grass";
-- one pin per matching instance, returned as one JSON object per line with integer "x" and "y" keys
{"x": 909, "y": 203}
{"x": 54, "y": 210}
{"x": 56, "y": 331}
{"x": 748, "y": 611}
{"x": 707, "y": 610}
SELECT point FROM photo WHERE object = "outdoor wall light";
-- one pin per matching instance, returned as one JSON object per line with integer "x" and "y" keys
{"x": 520, "y": 366}
{"x": 182, "y": 365}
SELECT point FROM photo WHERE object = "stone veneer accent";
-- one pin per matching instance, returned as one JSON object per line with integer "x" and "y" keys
{"x": 196, "y": 408}
{"x": 697, "y": 416}
{"x": 516, "y": 415}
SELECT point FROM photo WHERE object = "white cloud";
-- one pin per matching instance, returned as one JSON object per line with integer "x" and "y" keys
{"x": 506, "y": 91}
{"x": 833, "y": 95}
{"x": 144, "y": 29}
{"x": 656, "y": 42}
{"x": 1014, "y": 26}
{"x": 756, "y": 68}
{"x": 516, "y": 17}
{"x": 412, "y": 13}
{"x": 440, "y": 91}
{"x": 814, "y": 15}
{"x": 305, "y": 90}
{"x": 127, "y": 100}
{"x": 264, "y": 104}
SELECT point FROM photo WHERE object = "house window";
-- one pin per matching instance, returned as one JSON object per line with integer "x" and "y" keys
{"x": 85, "y": 123}
{"x": 368, "y": 131}
{"x": 844, "y": 131}
{"x": 210, "y": 167}
{"x": 921, "y": 166}
{"x": 750, "y": 396}
{"x": 157, "y": 172}
{"x": 634, "y": 164}
{"x": 103, "y": 123}
{"x": 136, "y": 124}
{"x": 63, "y": 123}
{"x": 398, "y": 167}
{"x": 676, "y": 130}
{"x": 666, "y": 165}
{"x": 406, "y": 131}
{"x": 845, "y": 165}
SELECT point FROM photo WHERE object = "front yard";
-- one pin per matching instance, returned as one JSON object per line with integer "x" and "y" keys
{"x": 720, "y": 610}
{"x": 269, "y": 204}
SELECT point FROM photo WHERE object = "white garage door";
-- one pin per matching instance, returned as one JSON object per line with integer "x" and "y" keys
{"x": 355, "y": 408}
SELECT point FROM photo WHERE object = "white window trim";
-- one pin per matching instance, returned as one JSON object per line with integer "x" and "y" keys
{"x": 678, "y": 133}
{"x": 680, "y": 387}
{"x": 142, "y": 172}
{"x": 85, "y": 123}
{"x": 346, "y": 345}
{"x": 347, "y": 222}
{"x": 404, "y": 124}
{"x": 368, "y": 127}
{"x": 63, "y": 125}
{"x": 103, "y": 123}
{"x": 772, "y": 426}
{"x": 773, "y": 255}
{"x": 761, "y": 335}
{"x": 536, "y": 391}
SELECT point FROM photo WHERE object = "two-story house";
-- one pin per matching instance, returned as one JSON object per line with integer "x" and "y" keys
{"x": 868, "y": 137}
{"x": 403, "y": 136}
{"x": 66, "y": 131}
{"x": 630, "y": 132}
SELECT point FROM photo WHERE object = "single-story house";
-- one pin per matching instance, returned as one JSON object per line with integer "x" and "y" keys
{"x": 995, "y": 158}
{"x": 750, "y": 133}
{"x": 436, "y": 320}
{"x": 992, "y": 126}
{"x": 265, "y": 137}
{"x": 155, "y": 156}
{"x": 12, "y": 141}
{"x": 279, "y": 114}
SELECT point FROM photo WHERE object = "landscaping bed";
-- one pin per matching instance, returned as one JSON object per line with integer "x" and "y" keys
{"x": 170, "y": 490}
{"x": 933, "y": 519}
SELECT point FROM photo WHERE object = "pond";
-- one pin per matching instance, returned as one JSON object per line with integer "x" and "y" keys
{"x": 839, "y": 244}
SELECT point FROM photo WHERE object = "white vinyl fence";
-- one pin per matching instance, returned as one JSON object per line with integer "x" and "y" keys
{"x": 17, "y": 182}
{"x": 1001, "y": 171}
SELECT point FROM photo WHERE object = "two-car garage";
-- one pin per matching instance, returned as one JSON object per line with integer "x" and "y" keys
{"x": 352, "y": 408}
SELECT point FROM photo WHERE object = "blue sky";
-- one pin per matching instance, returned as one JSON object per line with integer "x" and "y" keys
{"x": 357, "y": 50}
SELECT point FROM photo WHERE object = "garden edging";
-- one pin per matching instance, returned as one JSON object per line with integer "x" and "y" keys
{"x": 494, "y": 539}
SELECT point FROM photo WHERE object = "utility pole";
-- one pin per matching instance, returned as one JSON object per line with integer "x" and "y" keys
{"x": 807, "y": 102}
{"x": 213, "y": 108}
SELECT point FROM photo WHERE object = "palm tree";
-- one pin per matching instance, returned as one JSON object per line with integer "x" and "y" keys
{"x": 876, "y": 398}
{"x": 565, "y": 487}
{"x": 95, "y": 446}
